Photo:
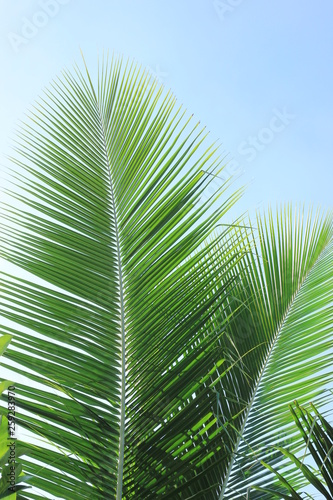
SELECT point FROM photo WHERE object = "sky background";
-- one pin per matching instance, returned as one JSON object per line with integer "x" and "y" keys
{"x": 257, "y": 73}
{"x": 238, "y": 65}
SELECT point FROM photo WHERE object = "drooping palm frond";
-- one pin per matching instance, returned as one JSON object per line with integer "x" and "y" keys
{"x": 110, "y": 323}
{"x": 284, "y": 337}
{"x": 317, "y": 434}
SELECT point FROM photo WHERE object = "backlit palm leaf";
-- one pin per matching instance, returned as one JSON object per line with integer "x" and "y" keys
{"x": 113, "y": 317}
{"x": 166, "y": 359}
{"x": 318, "y": 437}
{"x": 287, "y": 284}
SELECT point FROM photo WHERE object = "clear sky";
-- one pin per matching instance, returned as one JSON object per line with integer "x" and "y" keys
{"x": 257, "y": 73}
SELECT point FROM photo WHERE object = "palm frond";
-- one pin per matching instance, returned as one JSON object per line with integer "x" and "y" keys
{"x": 284, "y": 338}
{"x": 109, "y": 323}
{"x": 318, "y": 437}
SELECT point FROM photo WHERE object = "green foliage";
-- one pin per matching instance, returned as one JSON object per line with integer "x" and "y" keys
{"x": 116, "y": 331}
{"x": 287, "y": 282}
{"x": 10, "y": 449}
{"x": 318, "y": 437}
{"x": 162, "y": 346}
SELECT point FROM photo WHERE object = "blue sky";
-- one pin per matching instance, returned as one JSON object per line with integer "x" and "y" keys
{"x": 235, "y": 64}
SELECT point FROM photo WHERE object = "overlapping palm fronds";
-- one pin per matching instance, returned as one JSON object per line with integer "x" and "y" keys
{"x": 317, "y": 434}
{"x": 284, "y": 337}
{"x": 161, "y": 347}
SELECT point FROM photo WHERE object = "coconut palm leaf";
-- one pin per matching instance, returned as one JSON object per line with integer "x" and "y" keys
{"x": 287, "y": 284}
{"x": 318, "y": 436}
{"x": 110, "y": 313}
{"x": 10, "y": 447}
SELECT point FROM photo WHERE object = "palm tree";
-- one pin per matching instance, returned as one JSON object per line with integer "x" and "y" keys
{"x": 159, "y": 344}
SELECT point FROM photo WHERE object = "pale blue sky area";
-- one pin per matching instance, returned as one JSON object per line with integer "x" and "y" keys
{"x": 258, "y": 74}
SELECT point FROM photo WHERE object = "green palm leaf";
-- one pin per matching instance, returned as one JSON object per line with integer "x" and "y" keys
{"x": 318, "y": 436}
{"x": 113, "y": 311}
{"x": 288, "y": 286}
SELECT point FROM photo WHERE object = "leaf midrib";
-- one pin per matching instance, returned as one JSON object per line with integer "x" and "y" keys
{"x": 122, "y": 321}
{"x": 267, "y": 359}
